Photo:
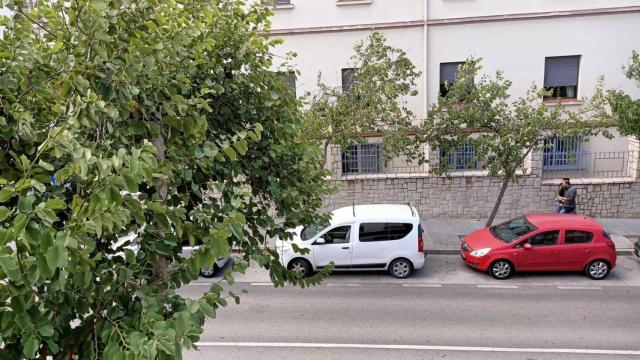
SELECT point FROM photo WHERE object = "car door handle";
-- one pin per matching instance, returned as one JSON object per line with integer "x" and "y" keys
{"x": 345, "y": 247}
{"x": 587, "y": 250}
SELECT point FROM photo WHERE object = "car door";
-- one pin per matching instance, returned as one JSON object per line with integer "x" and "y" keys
{"x": 543, "y": 253}
{"x": 576, "y": 248}
{"x": 379, "y": 242}
{"x": 337, "y": 247}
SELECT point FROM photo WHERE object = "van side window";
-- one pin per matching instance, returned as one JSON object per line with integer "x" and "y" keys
{"x": 339, "y": 235}
{"x": 384, "y": 231}
{"x": 577, "y": 237}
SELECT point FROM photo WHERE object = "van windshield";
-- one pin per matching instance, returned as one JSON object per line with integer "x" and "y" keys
{"x": 309, "y": 232}
{"x": 512, "y": 229}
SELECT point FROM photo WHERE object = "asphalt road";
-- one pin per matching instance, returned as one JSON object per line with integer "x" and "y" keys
{"x": 425, "y": 321}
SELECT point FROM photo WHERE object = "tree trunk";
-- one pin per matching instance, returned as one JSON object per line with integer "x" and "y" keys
{"x": 325, "y": 150}
{"x": 505, "y": 183}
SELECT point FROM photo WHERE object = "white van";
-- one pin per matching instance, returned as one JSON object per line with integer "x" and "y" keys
{"x": 360, "y": 237}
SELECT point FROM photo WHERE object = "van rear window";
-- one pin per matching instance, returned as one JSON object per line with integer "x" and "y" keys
{"x": 383, "y": 231}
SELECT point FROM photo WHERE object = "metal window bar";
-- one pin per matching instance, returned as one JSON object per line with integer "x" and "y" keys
{"x": 607, "y": 164}
{"x": 362, "y": 159}
{"x": 563, "y": 154}
{"x": 462, "y": 158}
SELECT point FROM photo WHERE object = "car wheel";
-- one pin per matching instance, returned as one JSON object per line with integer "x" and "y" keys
{"x": 300, "y": 266}
{"x": 501, "y": 269}
{"x": 598, "y": 269}
{"x": 208, "y": 272}
{"x": 400, "y": 268}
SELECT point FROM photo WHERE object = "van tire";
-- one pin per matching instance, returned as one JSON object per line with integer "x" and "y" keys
{"x": 400, "y": 268}
{"x": 209, "y": 273}
{"x": 301, "y": 266}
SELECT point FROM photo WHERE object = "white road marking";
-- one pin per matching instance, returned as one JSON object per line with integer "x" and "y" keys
{"x": 346, "y": 285}
{"x": 200, "y": 284}
{"x": 262, "y": 284}
{"x": 570, "y": 287}
{"x": 421, "y": 347}
{"x": 423, "y": 285}
{"x": 491, "y": 286}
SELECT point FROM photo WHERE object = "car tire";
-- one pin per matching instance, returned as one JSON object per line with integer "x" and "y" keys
{"x": 598, "y": 269}
{"x": 501, "y": 269}
{"x": 300, "y": 266}
{"x": 209, "y": 272}
{"x": 400, "y": 268}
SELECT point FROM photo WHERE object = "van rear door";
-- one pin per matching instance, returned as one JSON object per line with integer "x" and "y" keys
{"x": 378, "y": 242}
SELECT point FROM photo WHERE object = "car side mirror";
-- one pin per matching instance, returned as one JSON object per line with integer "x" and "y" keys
{"x": 527, "y": 246}
{"x": 320, "y": 241}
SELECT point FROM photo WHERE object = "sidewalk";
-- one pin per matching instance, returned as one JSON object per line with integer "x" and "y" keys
{"x": 443, "y": 236}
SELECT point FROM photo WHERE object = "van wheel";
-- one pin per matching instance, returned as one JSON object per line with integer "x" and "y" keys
{"x": 598, "y": 269}
{"x": 501, "y": 269}
{"x": 209, "y": 272}
{"x": 300, "y": 266}
{"x": 400, "y": 268}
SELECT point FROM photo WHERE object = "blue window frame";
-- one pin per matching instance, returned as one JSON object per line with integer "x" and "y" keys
{"x": 362, "y": 159}
{"x": 563, "y": 153}
{"x": 463, "y": 158}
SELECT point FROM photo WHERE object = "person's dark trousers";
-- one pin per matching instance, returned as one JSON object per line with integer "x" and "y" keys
{"x": 568, "y": 210}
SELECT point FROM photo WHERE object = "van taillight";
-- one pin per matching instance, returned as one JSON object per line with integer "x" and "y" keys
{"x": 420, "y": 239}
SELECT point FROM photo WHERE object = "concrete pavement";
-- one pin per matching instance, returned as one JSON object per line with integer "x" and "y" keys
{"x": 383, "y": 321}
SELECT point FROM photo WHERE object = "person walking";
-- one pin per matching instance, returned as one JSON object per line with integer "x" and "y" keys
{"x": 569, "y": 198}
{"x": 559, "y": 202}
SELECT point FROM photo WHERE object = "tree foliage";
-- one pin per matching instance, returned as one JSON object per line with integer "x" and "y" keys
{"x": 159, "y": 118}
{"x": 383, "y": 79}
{"x": 626, "y": 110}
{"x": 479, "y": 111}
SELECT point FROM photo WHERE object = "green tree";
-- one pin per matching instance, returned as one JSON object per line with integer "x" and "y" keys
{"x": 626, "y": 110}
{"x": 478, "y": 111}
{"x": 159, "y": 118}
{"x": 383, "y": 78}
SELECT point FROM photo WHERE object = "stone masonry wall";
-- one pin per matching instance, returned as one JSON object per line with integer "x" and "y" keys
{"x": 474, "y": 196}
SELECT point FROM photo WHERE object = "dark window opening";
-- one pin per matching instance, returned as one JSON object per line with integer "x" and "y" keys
{"x": 362, "y": 159}
{"x": 545, "y": 238}
{"x": 577, "y": 237}
{"x": 370, "y": 232}
{"x": 561, "y": 77}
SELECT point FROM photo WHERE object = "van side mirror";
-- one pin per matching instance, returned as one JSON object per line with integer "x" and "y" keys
{"x": 320, "y": 241}
{"x": 527, "y": 246}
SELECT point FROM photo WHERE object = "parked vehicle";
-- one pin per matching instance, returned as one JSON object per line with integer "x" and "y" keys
{"x": 541, "y": 242}
{"x": 362, "y": 237}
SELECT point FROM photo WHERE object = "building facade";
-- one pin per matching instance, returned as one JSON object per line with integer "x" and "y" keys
{"x": 563, "y": 46}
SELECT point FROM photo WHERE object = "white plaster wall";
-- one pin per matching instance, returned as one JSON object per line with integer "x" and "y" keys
{"x": 313, "y": 13}
{"x": 330, "y": 52}
{"x": 439, "y": 9}
{"x": 519, "y": 48}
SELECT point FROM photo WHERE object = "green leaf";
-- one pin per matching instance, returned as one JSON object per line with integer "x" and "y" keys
{"x": 46, "y": 330}
{"x": 55, "y": 204}
{"x": 25, "y": 204}
{"x": 30, "y": 346}
{"x": 241, "y": 146}
{"x": 45, "y": 165}
{"x": 4, "y": 213}
{"x": 57, "y": 256}
{"x": 231, "y": 153}
{"x": 6, "y": 193}
{"x": 130, "y": 183}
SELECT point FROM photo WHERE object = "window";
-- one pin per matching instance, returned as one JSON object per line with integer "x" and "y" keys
{"x": 362, "y": 159}
{"x": 370, "y": 232}
{"x": 289, "y": 78}
{"x": 463, "y": 158}
{"x": 348, "y": 78}
{"x": 339, "y": 235}
{"x": 309, "y": 232}
{"x": 512, "y": 230}
{"x": 577, "y": 237}
{"x": 545, "y": 238}
{"x": 561, "y": 76}
{"x": 563, "y": 153}
{"x": 448, "y": 73}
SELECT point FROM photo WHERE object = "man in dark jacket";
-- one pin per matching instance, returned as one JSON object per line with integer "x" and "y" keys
{"x": 569, "y": 198}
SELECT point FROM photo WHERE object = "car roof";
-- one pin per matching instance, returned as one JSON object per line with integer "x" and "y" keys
{"x": 375, "y": 212}
{"x": 561, "y": 220}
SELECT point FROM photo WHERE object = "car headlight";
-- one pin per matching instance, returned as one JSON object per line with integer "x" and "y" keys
{"x": 480, "y": 252}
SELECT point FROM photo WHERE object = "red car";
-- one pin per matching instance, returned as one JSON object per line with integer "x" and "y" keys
{"x": 541, "y": 242}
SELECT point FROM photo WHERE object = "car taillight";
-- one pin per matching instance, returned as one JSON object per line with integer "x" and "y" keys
{"x": 420, "y": 239}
